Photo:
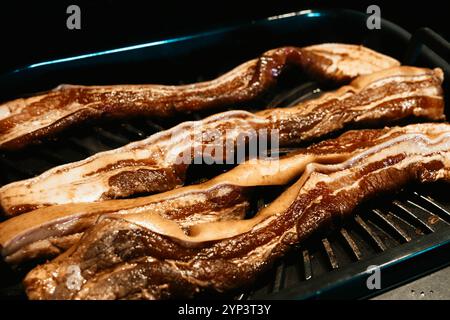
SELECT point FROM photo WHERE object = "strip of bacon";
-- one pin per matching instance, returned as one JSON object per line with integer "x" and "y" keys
{"x": 148, "y": 257}
{"x": 49, "y": 231}
{"x": 152, "y": 165}
{"x": 24, "y": 121}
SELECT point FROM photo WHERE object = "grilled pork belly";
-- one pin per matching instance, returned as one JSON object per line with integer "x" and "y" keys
{"x": 26, "y": 120}
{"x": 149, "y": 257}
{"x": 49, "y": 231}
{"x": 153, "y": 164}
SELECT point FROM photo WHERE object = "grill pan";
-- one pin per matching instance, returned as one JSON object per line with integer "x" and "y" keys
{"x": 407, "y": 234}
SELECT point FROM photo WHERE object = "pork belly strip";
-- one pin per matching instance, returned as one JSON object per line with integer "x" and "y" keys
{"x": 152, "y": 165}
{"x": 26, "y": 120}
{"x": 148, "y": 257}
{"x": 47, "y": 232}
{"x": 51, "y": 230}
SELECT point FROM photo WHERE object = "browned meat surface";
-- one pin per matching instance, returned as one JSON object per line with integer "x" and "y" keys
{"x": 50, "y": 230}
{"x": 24, "y": 121}
{"x": 152, "y": 165}
{"x": 149, "y": 257}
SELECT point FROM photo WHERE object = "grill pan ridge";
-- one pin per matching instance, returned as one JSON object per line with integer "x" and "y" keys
{"x": 406, "y": 234}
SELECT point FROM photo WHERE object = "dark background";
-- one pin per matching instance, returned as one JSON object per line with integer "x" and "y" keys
{"x": 36, "y": 31}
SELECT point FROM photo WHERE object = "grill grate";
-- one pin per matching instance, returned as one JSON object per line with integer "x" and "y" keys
{"x": 407, "y": 233}
{"x": 407, "y": 217}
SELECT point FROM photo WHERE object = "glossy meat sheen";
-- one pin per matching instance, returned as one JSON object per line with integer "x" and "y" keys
{"x": 26, "y": 120}
{"x": 49, "y": 231}
{"x": 147, "y": 257}
{"x": 151, "y": 165}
